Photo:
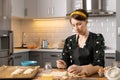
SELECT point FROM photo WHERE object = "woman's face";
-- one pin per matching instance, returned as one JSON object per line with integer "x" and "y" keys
{"x": 80, "y": 27}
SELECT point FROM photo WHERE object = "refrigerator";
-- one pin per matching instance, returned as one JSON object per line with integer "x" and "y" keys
{"x": 6, "y": 47}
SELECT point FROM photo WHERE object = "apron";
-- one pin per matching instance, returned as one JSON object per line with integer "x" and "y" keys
{"x": 81, "y": 56}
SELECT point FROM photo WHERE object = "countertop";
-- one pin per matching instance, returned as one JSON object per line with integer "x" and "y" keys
{"x": 93, "y": 77}
{"x": 47, "y": 50}
{"x": 55, "y": 50}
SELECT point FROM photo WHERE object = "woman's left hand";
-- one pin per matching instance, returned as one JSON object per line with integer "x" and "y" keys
{"x": 75, "y": 69}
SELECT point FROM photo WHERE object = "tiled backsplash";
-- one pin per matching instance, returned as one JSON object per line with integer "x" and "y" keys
{"x": 106, "y": 26}
{"x": 56, "y": 30}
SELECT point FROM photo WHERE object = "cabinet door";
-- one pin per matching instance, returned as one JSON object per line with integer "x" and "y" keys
{"x": 0, "y": 14}
{"x": 31, "y": 8}
{"x": 109, "y": 59}
{"x": 44, "y": 8}
{"x": 53, "y": 8}
{"x": 51, "y": 57}
{"x": 37, "y": 56}
{"x": 5, "y": 14}
{"x": 59, "y": 8}
{"x": 19, "y": 57}
{"x": 18, "y": 8}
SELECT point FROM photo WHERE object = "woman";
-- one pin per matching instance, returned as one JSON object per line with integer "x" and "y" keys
{"x": 83, "y": 52}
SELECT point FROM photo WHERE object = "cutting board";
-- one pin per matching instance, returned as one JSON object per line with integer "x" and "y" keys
{"x": 6, "y": 72}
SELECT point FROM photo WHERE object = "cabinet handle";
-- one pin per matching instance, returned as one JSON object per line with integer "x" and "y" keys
{"x": 54, "y": 55}
{"x": 49, "y": 11}
{"x": 52, "y": 11}
{"x": 110, "y": 57}
{"x": 25, "y": 13}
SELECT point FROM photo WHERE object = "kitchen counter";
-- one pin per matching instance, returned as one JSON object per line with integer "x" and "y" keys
{"x": 110, "y": 51}
{"x": 46, "y": 50}
{"x": 54, "y": 50}
{"x": 50, "y": 50}
{"x": 93, "y": 77}
{"x": 55, "y": 74}
{"x": 21, "y": 50}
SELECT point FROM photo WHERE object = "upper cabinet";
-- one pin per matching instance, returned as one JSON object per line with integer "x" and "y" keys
{"x": 53, "y": 8}
{"x": 40, "y": 8}
{"x": 5, "y": 15}
{"x": 17, "y": 8}
{"x": 31, "y": 8}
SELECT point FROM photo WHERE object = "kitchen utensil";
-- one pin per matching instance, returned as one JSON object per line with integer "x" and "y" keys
{"x": 113, "y": 73}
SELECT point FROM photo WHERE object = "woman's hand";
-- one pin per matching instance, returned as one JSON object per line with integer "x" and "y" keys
{"x": 75, "y": 69}
{"x": 85, "y": 70}
{"x": 61, "y": 64}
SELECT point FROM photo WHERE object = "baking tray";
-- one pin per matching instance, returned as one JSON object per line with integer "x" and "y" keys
{"x": 6, "y": 73}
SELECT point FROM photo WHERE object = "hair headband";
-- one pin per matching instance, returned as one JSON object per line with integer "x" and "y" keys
{"x": 79, "y": 13}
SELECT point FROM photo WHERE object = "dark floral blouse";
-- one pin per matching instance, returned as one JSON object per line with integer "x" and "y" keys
{"x": 91, "y": 53}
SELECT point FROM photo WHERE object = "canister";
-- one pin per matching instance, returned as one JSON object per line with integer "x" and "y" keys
{"x": 44, "y": 44}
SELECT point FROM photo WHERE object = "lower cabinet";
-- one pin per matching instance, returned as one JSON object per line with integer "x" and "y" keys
{"x": 109, "y": 59}
{"x": 44, "y": 56}
{"x": 51, "y": 57}
{"x": 19, "y": 57}
{"x": 37, "y": 56}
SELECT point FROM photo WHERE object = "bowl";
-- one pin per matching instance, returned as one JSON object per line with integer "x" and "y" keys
{"x": 113, "y": 73}
{"x": 29, "y": 63}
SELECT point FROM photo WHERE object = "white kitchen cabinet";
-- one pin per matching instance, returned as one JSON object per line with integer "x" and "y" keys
{"x": 5, "y": 14}
{"x": 17, "y": 8}
{"x": 53, "y": 8}
{"x": 31, "y": 8}
{"x": 0, "y": 13}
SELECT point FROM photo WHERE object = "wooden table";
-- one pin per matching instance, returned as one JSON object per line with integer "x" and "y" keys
{"x": 94, "y": 77}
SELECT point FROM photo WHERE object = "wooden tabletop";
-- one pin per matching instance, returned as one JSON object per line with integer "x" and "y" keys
{"x": 93, "y": 77}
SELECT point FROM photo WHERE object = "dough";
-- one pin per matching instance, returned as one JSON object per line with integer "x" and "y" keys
{"x": 28, "y": 71}
{"x": 17, "y": 71}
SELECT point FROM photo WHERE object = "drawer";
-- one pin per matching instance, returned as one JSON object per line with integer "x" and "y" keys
{"x": 51, "y": 55}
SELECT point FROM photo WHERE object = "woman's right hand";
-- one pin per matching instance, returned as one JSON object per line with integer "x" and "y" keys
{"x": 61, "y": 64}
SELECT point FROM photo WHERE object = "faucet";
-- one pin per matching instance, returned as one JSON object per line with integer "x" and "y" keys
{"x": 23, "y": 44}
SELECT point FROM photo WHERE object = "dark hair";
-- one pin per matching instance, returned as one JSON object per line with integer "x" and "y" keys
{"x": 78, "y": 16}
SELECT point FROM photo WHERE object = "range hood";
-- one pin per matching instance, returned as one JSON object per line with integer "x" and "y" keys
{"x": 97, "y": 8}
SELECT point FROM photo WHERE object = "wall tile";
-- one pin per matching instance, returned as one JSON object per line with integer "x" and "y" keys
{"x": 56, "y": 30}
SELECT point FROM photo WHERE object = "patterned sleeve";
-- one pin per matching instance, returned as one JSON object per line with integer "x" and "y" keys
{"x": 99, "y": 51}
{"x": 66, "y": 52}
